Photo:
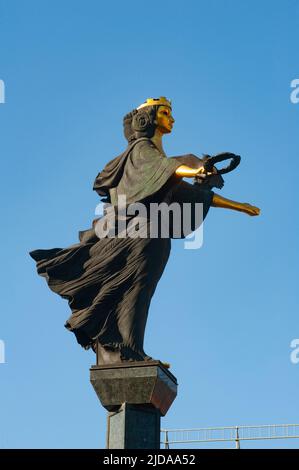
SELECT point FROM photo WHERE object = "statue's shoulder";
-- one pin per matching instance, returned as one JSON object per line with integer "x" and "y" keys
{"x": 144, "y": 146}
{"x": 143, "y": 143}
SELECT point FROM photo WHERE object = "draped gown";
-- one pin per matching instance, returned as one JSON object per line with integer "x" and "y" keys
{"x": 109, "y": 282}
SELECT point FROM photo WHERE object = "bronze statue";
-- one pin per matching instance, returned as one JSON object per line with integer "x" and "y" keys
{"x": 109, "y": 281}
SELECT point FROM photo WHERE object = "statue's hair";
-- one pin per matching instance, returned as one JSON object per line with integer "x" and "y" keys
{"x": 140, "y": 123}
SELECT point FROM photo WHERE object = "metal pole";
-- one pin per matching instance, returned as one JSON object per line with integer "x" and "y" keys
{"x": 166, "y": 440}
{"x": 237, "y": 438}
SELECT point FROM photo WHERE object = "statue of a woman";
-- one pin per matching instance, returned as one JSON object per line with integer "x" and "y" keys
{"x": 109, "y": 281}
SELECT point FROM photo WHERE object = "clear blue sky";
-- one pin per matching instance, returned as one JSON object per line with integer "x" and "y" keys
{"x": 72, "y": 69}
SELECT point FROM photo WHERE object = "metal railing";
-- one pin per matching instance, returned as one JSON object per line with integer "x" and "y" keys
{"x": 229, "y": 434}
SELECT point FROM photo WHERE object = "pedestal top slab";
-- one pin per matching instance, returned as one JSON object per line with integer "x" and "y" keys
{"x": 137, "y": 383}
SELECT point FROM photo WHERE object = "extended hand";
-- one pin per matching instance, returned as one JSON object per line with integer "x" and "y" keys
{"x": 202, "y": 172}
{"x": 249, "y": 209}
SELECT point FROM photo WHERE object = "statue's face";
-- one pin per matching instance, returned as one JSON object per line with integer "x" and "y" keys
{"x": 164, "y": 119}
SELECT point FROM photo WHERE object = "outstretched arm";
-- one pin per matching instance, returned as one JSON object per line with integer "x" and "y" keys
{"x": 219, "y": 201}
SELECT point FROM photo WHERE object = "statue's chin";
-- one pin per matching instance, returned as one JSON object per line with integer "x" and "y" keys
{"x": 164, "y": 130}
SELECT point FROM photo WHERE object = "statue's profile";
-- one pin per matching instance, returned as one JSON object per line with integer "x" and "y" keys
{"x": 109, "y": 281}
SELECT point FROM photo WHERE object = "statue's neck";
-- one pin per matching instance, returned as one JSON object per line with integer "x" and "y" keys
{"x": 157, "y": 140}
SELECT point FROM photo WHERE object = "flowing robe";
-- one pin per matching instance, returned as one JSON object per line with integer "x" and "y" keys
{"x": 109, "y": 282}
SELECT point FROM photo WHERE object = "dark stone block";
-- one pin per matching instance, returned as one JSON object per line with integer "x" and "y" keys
{"x": 134, "y": 427}
{"x": 136, "y": 383}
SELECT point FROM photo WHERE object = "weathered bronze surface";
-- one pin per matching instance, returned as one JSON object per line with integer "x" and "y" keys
{"x": 109, "y": 282}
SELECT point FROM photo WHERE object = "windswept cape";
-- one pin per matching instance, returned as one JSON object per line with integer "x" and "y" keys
{"x": 109, "y": 282}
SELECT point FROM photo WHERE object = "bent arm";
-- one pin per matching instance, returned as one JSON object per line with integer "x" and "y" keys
{"x": 188, "y": 172}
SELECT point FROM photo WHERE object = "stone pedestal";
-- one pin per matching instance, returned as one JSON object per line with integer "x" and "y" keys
{"x": 134, "y": 427}
{"x": 136, "y": 395}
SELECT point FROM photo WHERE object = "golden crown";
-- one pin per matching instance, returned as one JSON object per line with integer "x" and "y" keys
{"x": 162, "y": 101}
